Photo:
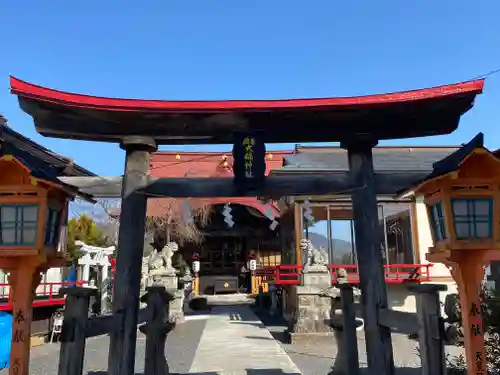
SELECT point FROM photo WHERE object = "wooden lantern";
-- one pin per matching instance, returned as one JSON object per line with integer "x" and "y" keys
{"x": 32, "y": 210}
{"x": 462, "y": 196}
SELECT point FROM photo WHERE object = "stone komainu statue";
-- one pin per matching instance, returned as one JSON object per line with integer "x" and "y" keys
{"x": 160, "y": 263}
{"x": 315, "y": 258}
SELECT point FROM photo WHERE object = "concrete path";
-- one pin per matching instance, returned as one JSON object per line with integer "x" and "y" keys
{"x": 235, "y": 342}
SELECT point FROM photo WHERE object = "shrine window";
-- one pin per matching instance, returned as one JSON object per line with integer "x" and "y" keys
{"x": 52, "y": 228}
{"x": 333, "y": 229}
{"x": 397, "y": 233}
{"x": 437, "y": 222}
{"x": 18, "y": 224}
{"x": 472, "y": 217}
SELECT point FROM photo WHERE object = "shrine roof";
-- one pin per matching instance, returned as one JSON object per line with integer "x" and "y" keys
{"x": 415, "y": 113}
{"x": 385, "y": 159}
{"x": 171, "y": 164}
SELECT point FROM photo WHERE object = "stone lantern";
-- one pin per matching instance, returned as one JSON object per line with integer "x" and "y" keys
{"x": 462, "y": 196}
{"x": 33, "y": 207}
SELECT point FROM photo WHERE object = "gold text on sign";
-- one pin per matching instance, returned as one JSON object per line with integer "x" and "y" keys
{"x": 248, "y": 143}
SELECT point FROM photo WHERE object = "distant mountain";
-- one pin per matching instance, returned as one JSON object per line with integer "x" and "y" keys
{"x": 342, "y": 249}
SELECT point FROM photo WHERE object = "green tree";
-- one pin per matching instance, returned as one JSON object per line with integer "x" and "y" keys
{"x": 84, "y": 229}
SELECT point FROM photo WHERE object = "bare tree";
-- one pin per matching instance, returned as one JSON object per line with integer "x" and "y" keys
{"x": 171, "y": 218}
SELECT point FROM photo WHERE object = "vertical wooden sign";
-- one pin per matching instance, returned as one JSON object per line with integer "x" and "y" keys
{"x": 249, "y": 155}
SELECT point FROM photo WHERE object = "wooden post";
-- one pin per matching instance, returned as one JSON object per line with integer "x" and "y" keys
{"x": 349, "y": 335}
{"x": 468, "y": 273}
{"x": 273, "y": 290}
{"x": 369, "y": 254}
{"x": 431, "y": 327}
{"x": 129, "y": 256}
{"x": 156, "y": 330}
{"x": 196, "y": 284}
{"x": 254, "y": 290}
{"x": 298, "y": 230}
{"x": 76, "y": 310}
{"x": 23, "y": 282}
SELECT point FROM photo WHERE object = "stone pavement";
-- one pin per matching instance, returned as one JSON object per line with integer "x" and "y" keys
{"x": 235, "y": 342}
{"x": 231, "y": 340}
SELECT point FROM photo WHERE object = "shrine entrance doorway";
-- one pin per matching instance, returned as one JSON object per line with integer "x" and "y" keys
{"x": 225, "y": 249}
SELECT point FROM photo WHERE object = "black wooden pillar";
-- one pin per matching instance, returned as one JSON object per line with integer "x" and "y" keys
{"x": 129, "y": 256}
{"x": 431, "y": 328}
{"x": 369, "y": 255}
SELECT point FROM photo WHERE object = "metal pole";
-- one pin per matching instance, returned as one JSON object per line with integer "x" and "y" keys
{"x": 129, "y": 255}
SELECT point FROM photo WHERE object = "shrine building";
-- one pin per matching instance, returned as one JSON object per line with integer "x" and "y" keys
{"x": 225, "y": 250}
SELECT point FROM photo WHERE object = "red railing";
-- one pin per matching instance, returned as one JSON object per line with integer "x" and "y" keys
{"x": 394, "y": 273}
{"x": 48, "y": 296}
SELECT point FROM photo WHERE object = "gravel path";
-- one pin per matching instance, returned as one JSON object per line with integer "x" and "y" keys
{"x": 183, "y": 343}
{"x": 316, "y": 360}
{"x": 181, "y": 348}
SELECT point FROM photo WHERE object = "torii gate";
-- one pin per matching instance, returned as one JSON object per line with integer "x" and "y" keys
{"x": 96, "y": 256}
{"x": 140, "y": 126}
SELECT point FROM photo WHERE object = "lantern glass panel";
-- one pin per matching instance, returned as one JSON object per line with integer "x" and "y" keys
{"x": 18, "y": 224}
{"x": 438, "y": 222}
{"x": 473, "y": 217}
{"x": 52, "y": 227}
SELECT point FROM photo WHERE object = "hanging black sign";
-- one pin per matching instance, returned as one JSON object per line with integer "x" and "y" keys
{"x": 249, "y": 155}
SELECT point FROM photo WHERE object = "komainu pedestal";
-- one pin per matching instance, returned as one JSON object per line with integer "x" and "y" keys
{"x": 312, "y": 316}
{"x": 162, "y": 273}
{"x": 176, "y": 306}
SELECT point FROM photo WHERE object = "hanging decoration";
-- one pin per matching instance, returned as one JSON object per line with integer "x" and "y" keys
{"x": 187, "y": 214}
{"x": 228, "y": 218}
{"x": 308, "y": 211}
{"x": 270, "y": 215}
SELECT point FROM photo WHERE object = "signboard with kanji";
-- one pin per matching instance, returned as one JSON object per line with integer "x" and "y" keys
{"x": 249, "y": 154}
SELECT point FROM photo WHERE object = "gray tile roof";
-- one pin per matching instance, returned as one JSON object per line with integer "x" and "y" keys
{"x": 385, "y": 159}
{"x": 37, "y": 157}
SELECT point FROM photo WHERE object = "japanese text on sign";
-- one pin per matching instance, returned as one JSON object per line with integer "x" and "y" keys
{"x": 19, "y": 317}
{"x": 480, "y": 370}
{"x": 474, "y": 310}
{"x": 18, "y": 336}
{"x": 248, "y": 156}
{"x": 16, "y": 366}
{"x": 475, "y": 330}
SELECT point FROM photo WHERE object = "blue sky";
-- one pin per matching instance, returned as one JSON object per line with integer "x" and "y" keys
{"x": 250, "y": 50}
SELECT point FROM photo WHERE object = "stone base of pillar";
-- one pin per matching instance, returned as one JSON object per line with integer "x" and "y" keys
{"x": 176, "y": 307}
{"x": 340, "y": 364}
{"x": 176, "y": 312}
{"x": 313, "y": 312}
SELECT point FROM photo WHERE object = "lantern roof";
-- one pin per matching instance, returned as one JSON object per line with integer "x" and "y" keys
{"x": 408, "y": 114}
{"x": 454, "y": 161}
{"x": 41, "y": 162}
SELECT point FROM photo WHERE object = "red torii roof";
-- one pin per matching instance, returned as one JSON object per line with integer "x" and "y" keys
{"x": 414, "y": 113}
{"x": 22, "y": 88}
{"x": 208, "y": 164}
